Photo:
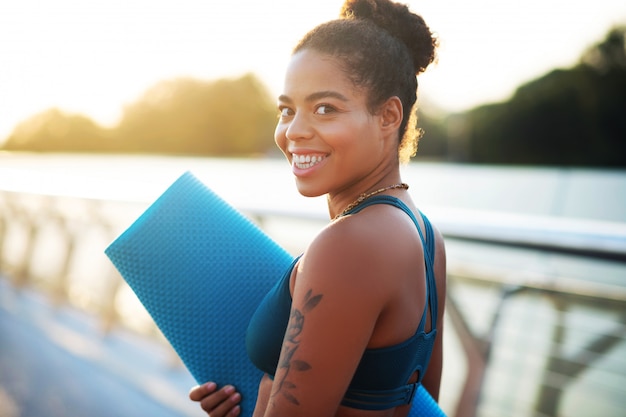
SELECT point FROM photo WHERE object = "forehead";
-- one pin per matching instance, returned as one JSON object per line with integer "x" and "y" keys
{"x": 310, "y": 71}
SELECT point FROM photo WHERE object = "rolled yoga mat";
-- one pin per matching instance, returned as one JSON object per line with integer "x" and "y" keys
{"x": 200, "y": 268}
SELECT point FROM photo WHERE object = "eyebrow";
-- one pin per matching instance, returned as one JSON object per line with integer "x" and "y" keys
{"x": 316, "y": 96}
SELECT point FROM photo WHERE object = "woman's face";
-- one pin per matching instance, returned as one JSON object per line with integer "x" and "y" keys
{"x": 325, "y": 129}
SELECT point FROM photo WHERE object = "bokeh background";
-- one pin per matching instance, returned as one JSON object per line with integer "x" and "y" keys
{"x": 522, "y": 166}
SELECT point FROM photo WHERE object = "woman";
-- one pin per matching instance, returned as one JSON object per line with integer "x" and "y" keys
{"x": 350, "y": 330}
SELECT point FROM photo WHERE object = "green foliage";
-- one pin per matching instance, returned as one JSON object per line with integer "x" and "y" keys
{"x": 572, "y": 117}
{"x": 184, "y": 116}
{"x": 227, "y": 117}
{"x": 433, "y": 143}
{"x": 53, "y": 130}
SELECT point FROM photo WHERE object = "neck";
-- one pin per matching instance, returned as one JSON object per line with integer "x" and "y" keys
{"x": 349, "y": 197}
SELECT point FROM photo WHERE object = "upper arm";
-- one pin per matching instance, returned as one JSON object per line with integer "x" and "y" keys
{"x": 333, "y": 314}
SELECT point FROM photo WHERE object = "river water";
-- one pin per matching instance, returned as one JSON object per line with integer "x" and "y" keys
{"x": 562, "y": 192}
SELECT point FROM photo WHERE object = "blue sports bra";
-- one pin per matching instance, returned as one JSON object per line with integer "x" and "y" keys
{"x": 380, "y": 380}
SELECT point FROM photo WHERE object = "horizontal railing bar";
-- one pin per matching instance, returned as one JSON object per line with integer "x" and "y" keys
{"x": 591, "y": 291}
{"x": 579, "y": 237}
{"x": 560, "y": 248}
{"x": 592, "y": 239}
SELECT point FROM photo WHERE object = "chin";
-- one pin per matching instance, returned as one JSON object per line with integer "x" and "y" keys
{"x": 308, "y": 191}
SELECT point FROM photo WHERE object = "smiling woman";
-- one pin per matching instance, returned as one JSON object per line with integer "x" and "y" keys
{"x": 354, "y": 326}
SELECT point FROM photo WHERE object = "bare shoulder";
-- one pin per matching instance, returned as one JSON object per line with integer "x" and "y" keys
{"x": 363, "y": 246}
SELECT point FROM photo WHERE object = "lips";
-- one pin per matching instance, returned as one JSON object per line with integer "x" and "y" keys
{"x": 305, "y": 161}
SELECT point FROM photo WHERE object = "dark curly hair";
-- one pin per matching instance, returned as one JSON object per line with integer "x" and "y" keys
{"x": 382, "y": 46}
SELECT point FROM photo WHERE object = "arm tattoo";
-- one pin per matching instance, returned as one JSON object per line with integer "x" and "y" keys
{"x": 291, "y": 344}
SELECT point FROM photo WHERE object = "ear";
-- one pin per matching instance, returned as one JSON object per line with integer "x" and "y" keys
{"x": 391, "y": 114}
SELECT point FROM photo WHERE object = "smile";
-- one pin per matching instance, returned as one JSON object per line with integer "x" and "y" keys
{"x": 306, "y": 161}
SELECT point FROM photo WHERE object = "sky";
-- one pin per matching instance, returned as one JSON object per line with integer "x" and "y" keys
{"x": 95, "y": 57}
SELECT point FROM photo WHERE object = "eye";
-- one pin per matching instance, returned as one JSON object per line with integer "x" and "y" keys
{"x": 284, "y": 112}
{"x": 325, "y": 109}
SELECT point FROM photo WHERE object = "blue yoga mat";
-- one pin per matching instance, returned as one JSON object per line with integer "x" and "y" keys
{"x": 200, "y": 268}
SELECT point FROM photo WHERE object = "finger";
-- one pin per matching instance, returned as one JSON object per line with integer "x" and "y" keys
{"x": 219, "y": 403}
{"x": 198, "y": 392}
{"x": 229, "y": 407}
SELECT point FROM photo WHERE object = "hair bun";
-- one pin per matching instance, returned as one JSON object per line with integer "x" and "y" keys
{"x": 401, "y": 23}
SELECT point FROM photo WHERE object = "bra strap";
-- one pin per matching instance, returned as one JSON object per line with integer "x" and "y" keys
{"x": 428, "y": 243}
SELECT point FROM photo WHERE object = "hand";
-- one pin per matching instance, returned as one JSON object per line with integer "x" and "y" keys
{"x": 217, "y": 403}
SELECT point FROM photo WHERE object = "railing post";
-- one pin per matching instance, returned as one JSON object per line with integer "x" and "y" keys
{"x": 109, "y": 316}
{"x": 3, "y": 229}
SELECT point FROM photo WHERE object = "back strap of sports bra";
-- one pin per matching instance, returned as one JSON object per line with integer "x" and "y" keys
{"x": 428, "y": 242}
{"x": 380, "y": 399}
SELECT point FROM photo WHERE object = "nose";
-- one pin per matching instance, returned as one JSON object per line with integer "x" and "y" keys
{"x": 299, "y": 127}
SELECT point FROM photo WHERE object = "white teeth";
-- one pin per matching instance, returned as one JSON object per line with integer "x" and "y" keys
{"x": 306, "y": 161}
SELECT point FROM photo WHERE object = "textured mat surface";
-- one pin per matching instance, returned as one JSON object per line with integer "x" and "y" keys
{"x": 200, "y": 268}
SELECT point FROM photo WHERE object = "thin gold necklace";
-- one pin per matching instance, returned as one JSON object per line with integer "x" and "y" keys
{"x": 365, "y": 196}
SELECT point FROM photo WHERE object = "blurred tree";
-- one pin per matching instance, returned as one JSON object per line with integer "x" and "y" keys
{"x": 56, "y": 131}
{"x": 186, "y": 116}
{"x": 609, "y": 54}
{"x": 569, "y": 117}
{"x": 183, "y": 116}
{"x": 433, "y": 144}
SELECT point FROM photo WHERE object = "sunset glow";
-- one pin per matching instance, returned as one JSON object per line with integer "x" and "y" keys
{"x": 96, "y": 57}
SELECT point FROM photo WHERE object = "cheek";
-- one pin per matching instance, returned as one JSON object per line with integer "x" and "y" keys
{"x": 280, "y": 138}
